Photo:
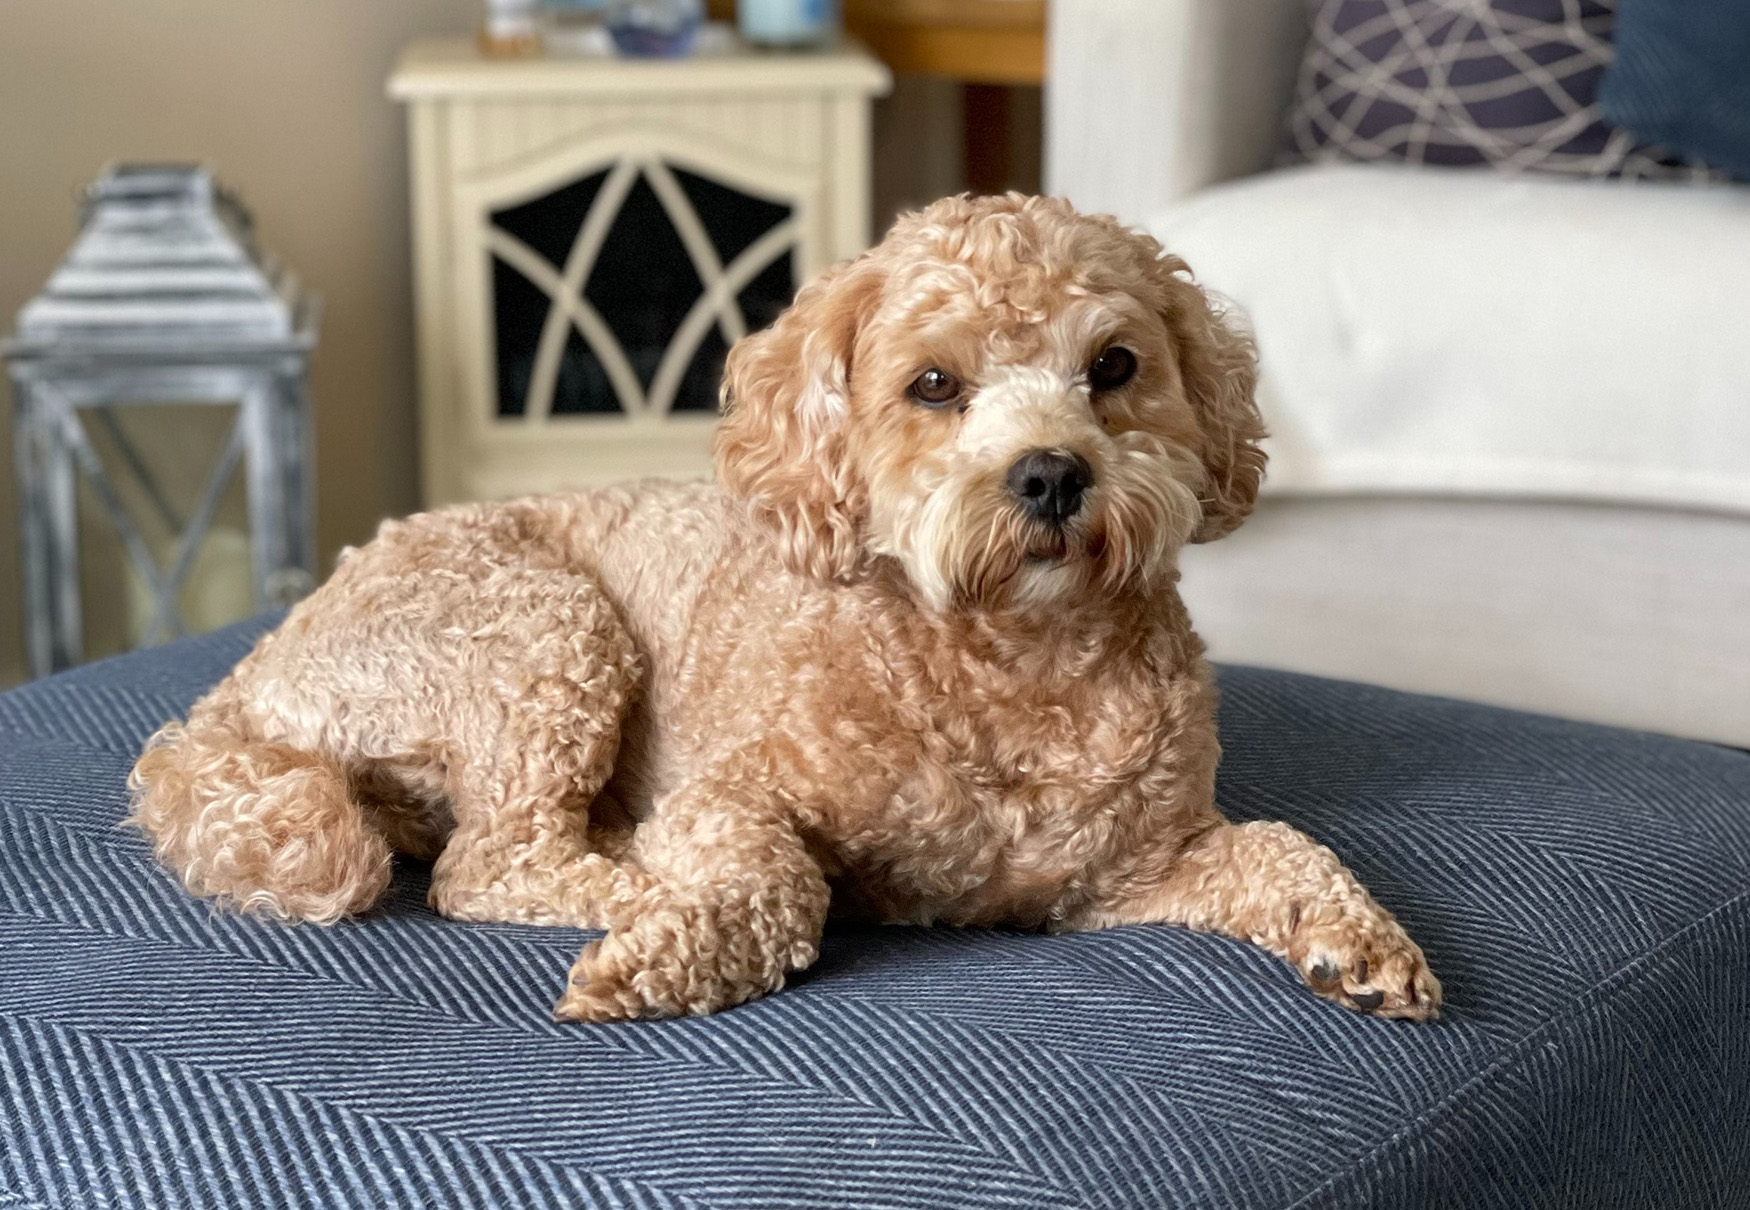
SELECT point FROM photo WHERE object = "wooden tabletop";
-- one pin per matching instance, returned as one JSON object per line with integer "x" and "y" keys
{"x": 979, "y": 41}
{"x": 984, "y": 14}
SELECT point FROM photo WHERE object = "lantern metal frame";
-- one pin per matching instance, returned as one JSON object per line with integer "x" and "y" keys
{"x": 60, "y": 379}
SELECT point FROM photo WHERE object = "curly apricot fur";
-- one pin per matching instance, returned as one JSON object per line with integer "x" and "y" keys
{"x": 858, "y": 674}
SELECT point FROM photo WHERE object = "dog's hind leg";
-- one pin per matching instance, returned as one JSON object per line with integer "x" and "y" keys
{"x": 520, "y": 788}
{"x": 732, "y": 902}
{"x": 497, "y": 691}
{"x": 263, "y": 826}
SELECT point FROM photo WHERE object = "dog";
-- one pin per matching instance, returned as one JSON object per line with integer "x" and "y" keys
{"x": 917, "y": 656}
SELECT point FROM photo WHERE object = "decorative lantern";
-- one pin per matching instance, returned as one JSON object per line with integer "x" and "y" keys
{"x": 163, "y": 299}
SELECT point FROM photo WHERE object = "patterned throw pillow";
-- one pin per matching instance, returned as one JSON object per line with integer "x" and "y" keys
{"x": 1507, "y": 83}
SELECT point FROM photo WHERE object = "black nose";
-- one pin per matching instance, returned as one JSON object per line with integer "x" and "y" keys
{"x": 1050, "y": 483}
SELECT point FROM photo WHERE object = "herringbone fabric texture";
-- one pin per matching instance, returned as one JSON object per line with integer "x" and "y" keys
{"x": 1584, "y": 893}
{"x": 1508, "y": 83}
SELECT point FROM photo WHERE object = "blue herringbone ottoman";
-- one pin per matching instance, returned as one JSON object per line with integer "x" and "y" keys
{"x": 1584, "y": 894}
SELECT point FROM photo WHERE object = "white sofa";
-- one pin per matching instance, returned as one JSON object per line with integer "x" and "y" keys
{"x": 1510, "y": 415}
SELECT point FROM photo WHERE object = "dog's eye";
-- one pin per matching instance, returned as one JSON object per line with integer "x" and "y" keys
{"x": 1111, "y": 369}
{"x": 935, "y": 388}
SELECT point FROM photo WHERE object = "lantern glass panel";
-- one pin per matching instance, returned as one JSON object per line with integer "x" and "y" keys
{"x": 162, "y": 465}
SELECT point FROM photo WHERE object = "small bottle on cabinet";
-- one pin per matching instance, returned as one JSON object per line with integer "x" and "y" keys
{"x": 780, "y": 23}
{"x": 574, "y": 28}
{"x": 512, "y": 28}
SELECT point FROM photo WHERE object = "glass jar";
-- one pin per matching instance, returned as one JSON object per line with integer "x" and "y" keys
{"x": 511, "y": 28}
{"x": 788, "y": 22}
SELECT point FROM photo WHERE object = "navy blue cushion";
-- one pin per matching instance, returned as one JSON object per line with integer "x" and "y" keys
{"x": 1682, "y": 78}
{"x": 1584, "y": 893}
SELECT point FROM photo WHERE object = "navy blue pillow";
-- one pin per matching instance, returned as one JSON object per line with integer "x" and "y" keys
{"x": 1510, "y": 84}
{"x": 1682, "y": 78}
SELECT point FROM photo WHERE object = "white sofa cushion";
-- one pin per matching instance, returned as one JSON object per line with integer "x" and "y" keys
{"x": 1446, "y": 331}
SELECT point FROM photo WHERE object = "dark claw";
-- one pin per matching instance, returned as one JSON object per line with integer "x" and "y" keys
{"x": 1367, "y": 1001}
{"x": 1361, "y": 970}
{"x": 1325, "y": 972}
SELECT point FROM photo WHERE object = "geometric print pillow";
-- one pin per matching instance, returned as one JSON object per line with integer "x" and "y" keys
{"x": 1510, "y": 84}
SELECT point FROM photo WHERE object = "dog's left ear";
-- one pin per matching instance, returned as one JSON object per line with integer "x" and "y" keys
{"x": 1219, "y": 364}
{"x": 781, "y": 446}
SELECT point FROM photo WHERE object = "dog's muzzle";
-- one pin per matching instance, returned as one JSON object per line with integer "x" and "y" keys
{"x": 1049, "y": 484}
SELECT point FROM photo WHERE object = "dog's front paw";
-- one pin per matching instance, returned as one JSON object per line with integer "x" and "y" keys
{"x": 604, "y": 987}
{"x": 681, "y": 961}
{"x": 1363, "y": 959}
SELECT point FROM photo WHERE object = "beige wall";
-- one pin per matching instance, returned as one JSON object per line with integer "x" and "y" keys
{"x": 285, "y": 98}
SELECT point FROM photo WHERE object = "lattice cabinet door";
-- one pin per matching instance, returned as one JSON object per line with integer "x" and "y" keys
{"x": 592, "y": 236}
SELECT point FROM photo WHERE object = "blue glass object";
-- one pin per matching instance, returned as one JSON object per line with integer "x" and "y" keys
{"x": 787, "y": 22}
{"x": 661, "y": 29}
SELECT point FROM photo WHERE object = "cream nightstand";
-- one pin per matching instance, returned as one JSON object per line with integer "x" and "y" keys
{"x": 590, "y": 236}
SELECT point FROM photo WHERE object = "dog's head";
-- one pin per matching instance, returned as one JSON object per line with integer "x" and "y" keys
{"x": 1019, "y": 404}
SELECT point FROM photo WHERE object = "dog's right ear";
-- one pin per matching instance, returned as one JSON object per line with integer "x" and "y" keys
{"x": 786, "y": 398}
{"x": 1219, "y": 363}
